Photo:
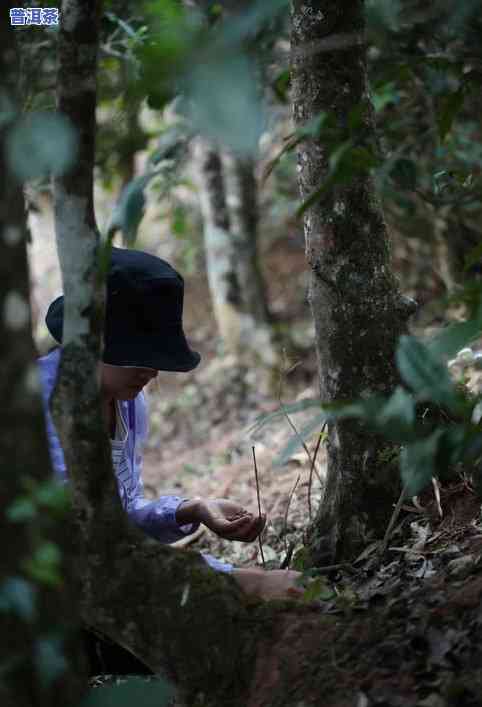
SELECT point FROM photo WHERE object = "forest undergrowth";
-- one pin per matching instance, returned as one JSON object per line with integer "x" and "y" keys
{"x": 400, "y": 624}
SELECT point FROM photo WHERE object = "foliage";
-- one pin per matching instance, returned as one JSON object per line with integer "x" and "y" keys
{"x": 29, "y": 145}
{"x": 427, "y": 448}
{"x": 221, "y": 99}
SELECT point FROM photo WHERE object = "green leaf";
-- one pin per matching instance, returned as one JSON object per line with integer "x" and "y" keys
{"x": 223, "y": 100}
{"x": 384, "y": 95}
{"x": 404, "y": 173}
{"x": 41, "y": 144}
{"x": 49, "y": 658}
{"x": 450, "y": 106}
{"x": 129, "y": 210}
{"x": 281, "y": 84}
{"x": 318, "y": 590}
{"x": 425, "y": 373}
{"x": 289, "y": 408}
{"x": 21, "y": 510}
{"x": 296, "y": 440}
{"x": 344, "y": 162}
{"x": 455, "y": 337}
{"x": 19, "y": 597}
{"x": 417, "y": 462}
{"x": 53, "y": 496}
{"x": 8, "y": 112}
{"x": 44, "y": 565}
{"x": 311, "y": 129}
{"x": 155, "y": 693}
{"x": 396, "y": 417}
{"x": 301, "y": 559}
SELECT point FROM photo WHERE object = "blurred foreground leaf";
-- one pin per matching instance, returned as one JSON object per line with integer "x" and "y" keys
{"x": 129, "y": 210}
{"x": 417, "y": 462}
{"x": 132, "y": 692}
{"x": 425, "y": 373}
{"x": 41, "y": 144}
{"x": 49, "y": 658}
{"x": 224, "y": 101}
{"x": 18, "y": 596}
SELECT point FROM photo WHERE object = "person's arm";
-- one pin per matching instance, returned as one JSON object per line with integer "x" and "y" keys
{"x": 47, "y": 369}
{"x": 158, "y": 518}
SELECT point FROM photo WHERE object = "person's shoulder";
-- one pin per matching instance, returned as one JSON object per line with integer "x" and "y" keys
{"x": 49, "y": 363}
{"x": 140, "y": 401}
{"x": 52, "y": 357}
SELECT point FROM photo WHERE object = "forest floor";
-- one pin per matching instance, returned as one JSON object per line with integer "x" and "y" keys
{"x": 403, "y": 626}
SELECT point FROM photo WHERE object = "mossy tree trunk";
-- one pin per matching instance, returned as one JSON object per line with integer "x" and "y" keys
{"x": 357, "y": 308}
{"x": 178, "y": 616}
{"x": 34, "y": 612}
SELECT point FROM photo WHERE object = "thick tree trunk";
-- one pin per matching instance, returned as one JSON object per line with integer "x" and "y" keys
{"x": 25, "y": 464}
{"x": 356, "y": 304}
{"x": 173, "y": 612}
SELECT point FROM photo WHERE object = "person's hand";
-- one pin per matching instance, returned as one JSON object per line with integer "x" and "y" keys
{"x": 229, "y": 520}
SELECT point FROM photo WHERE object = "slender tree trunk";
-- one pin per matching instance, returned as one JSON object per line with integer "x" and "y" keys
{"x": 33, "y": 610}
{"x": 224, "y": 285}
{"x": 227, "y": 195}
{"x": 356, "y": 304}
{"x": 242, "y": 199}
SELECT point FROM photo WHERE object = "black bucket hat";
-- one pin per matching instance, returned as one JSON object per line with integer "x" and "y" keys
{"x": 143, "y": 323}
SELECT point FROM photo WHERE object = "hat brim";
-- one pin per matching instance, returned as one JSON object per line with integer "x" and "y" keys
{"x": 168, "y": 351}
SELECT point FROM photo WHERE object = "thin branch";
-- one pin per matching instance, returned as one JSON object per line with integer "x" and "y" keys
{"x": 259, "y": 505}
{"x": 293, "y": 426}
{"x": 393, "y": 520}
{"x": 312, "y": 467}
{"x": 285, "y": 519}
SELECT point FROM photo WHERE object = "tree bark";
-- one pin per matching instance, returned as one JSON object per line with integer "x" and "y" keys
{"x": 224, "y": 285}
{"x": 357, "y": 308}
{"x": 25, "y": 463}
{"x": 227, "y": 196}
{"x": 242, "y": 200}
{"x": 174, "y": 613}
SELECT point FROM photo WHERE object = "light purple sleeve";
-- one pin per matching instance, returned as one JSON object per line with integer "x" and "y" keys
{"x": 47, "y": 367}
{"x": 158, "y": 518}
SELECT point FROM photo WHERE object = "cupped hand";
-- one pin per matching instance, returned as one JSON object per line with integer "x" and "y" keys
{"x": 230, "y": 520}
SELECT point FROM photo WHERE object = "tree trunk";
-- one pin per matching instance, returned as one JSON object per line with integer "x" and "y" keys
{"x": 357, "y": 308}
{"x": 227, "y": 195}
{"x": 242, "y": 200}
{"x": 35, "y": 610}
{"x": 173, "y": 612}
{"x": 224, "y": 285}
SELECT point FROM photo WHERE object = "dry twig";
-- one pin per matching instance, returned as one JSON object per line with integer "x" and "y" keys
{"x": 292, "y": 424}
{"x": 259, "y": 505}
{"x": 312, "y": 466}
{"x": 285, "y": 520}
{"x": 393, "y": 520}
